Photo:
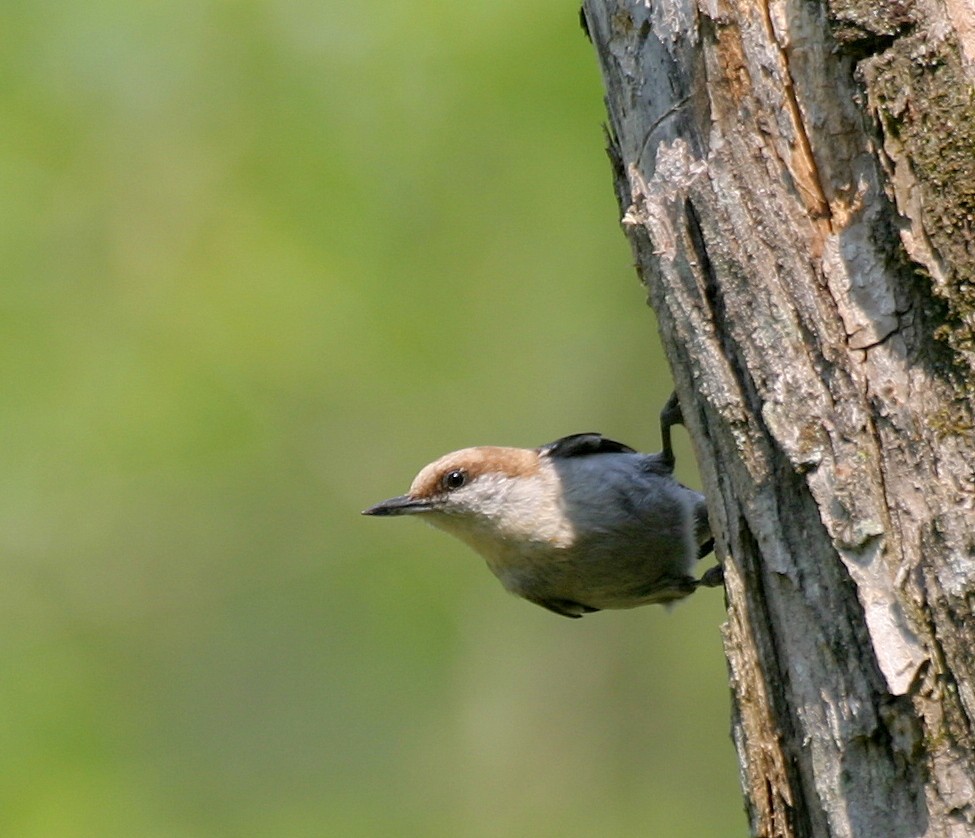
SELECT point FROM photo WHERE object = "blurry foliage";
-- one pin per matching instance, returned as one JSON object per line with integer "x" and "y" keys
{"x": 262, "y": 260}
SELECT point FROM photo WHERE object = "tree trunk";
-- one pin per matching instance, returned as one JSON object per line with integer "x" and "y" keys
{"x": 798, "y": 183}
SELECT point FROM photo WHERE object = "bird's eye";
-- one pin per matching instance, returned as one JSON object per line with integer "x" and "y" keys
{"x": 454, "y": 479}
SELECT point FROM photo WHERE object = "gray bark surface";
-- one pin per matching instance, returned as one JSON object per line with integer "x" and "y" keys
{"x": 797, "y": 180}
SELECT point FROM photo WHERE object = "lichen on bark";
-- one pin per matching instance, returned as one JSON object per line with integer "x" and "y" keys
{"x": 924, "y": 105}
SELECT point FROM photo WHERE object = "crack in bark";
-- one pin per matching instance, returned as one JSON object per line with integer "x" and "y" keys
{"x": 712, "y": 288}
{"x": 784, "y": 787}
{"x": 671, "y": 111}
{"x": 809, "y": 181}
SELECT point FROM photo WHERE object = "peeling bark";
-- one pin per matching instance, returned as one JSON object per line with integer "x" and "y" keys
{"x": 797, "y": 179}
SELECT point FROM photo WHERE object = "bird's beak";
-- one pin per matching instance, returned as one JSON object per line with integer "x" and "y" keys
{"x": 402, "y": 505}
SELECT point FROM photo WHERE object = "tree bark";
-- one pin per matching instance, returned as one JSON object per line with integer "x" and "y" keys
{"x": 797, "y": 179}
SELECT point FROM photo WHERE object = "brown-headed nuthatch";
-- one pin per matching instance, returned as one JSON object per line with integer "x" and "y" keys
{"x": 578, "y": 525}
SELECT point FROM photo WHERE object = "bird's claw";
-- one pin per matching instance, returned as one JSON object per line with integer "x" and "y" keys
{"x": 713, "y": 577}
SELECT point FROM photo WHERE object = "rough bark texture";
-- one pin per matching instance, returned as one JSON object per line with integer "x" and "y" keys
{"x": 798, "y": 182}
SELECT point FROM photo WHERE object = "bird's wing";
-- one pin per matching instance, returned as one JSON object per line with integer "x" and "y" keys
{"x": 579, "y": 445}
{"x": 564, "y": 607}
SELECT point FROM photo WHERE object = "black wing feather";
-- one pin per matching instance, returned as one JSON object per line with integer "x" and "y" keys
{"x": 580, "y": 445}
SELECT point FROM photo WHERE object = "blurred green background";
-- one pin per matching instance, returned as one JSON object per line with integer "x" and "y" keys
{"x": 261, "y": 262}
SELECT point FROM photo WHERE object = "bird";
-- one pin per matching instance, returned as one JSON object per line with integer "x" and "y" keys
{"x": 579, "y": 525}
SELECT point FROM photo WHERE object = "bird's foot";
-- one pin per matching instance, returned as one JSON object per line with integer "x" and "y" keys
{"x": 712, "y": 578}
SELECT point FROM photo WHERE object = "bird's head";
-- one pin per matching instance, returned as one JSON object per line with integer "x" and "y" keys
{"x": 471, "y": 482}
{"x": 493, "y": 498}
